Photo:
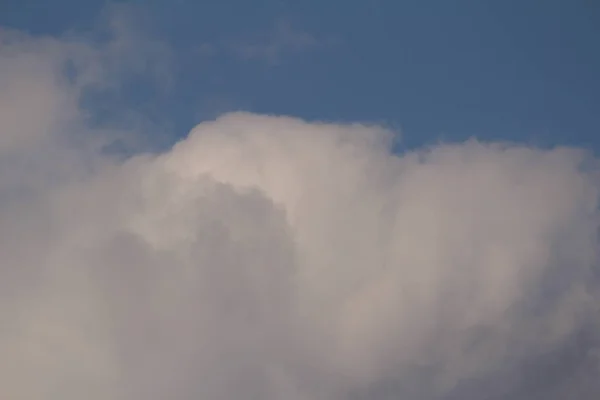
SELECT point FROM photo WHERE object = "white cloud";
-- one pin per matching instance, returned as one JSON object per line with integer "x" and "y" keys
{"x": 268, "y": 257}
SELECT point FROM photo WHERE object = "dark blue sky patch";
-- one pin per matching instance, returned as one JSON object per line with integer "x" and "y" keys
{"x": 512, "y": 70}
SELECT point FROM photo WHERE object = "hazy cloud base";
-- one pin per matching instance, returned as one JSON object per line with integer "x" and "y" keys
{"x": 270, "y": 258}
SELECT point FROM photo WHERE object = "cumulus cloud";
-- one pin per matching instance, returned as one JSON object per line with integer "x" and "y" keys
{"x": 273, "y": 258}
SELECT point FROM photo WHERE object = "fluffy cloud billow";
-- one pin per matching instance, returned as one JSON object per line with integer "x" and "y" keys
{"x": 268, "y": 257}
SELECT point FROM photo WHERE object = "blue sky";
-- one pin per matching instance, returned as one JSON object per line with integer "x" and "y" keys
{"x": 511, "y": 70}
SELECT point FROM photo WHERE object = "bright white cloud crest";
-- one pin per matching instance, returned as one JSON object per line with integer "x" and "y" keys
{"x": 271, "y": 258}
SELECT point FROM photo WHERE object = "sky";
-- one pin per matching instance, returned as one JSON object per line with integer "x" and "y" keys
{"x": 308, "y": 201}
{"x": 437, "y": 70}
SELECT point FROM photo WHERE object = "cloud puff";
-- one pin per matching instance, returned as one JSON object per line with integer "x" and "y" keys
{"x": 269, "y": 257}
